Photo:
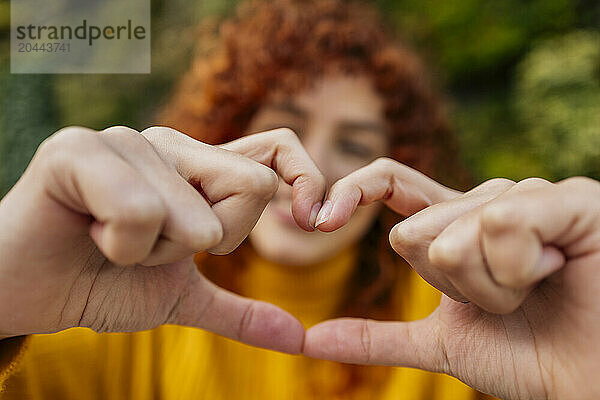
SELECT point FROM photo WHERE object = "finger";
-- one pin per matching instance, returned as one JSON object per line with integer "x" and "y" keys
{"x": 402, "y": 188}
{"x": 517, "y": 230}
{"x": 94, "y": 180}
{"x": 237, "y": 187}
{"x": 239, "y": 200}
{"x": 281, "y": 150}
{"x": 190, "y": 224}
{"x": 360, "y": 341}
{"x": 205, "y": 305}
{"x": 412, "y": 237}
{"x": 458, "y": 253}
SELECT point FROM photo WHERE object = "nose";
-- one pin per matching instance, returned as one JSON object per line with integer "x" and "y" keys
{"x": 317, "y": 149}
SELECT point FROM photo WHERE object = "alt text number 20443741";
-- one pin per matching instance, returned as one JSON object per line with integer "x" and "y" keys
{"x": 55, "y": 47}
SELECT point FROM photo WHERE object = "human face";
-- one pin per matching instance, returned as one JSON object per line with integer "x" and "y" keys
{"x": 341, "y": 124}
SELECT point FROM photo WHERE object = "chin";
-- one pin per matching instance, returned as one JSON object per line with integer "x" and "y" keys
{"x": 278, "y": 239}
{"x": 287, "y": 251}
{"x": 290, "y": 245}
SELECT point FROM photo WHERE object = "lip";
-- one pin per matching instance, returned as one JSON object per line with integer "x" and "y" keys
{"x": 283, "y": 216}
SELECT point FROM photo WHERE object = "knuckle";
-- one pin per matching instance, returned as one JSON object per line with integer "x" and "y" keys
{"x": 497, "y": 218}
{"x": 245, "y": 324}
{"x": 158, "y": 132}
{"x": 141, "y": 208}
{"x": 533, "y": 182}
{"x": 384, "y": 163}
{"x": 366, "y": 341}
{"x": 497, "y": 184}
{"x": 120, "y": 130}
{"x": 63, "y": 144}
{"x": 446, "y": 256}
{"x": 124, "y": 134}
{"x": 260, "y": 181}
{"x": 72, "y": 132}
{"x": 66, "y": 138}
{"x": 285, "y": 135}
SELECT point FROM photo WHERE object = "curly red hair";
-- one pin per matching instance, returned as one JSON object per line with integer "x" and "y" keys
{"x": 285, "y": 46}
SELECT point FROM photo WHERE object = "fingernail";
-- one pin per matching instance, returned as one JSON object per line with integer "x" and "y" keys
{"x": 313, "y": 214}
{"x": 324, "y": 213}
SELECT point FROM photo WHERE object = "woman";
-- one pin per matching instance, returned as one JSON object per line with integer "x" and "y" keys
{"x": 329, "y": 71}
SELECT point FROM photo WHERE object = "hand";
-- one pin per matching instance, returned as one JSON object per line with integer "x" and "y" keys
{"x": 526, "y": 257}
{"x": 100, "y": 229}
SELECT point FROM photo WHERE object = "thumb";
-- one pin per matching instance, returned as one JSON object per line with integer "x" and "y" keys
{"x": 413, "y": 344}
{"x": 205, "y": 305}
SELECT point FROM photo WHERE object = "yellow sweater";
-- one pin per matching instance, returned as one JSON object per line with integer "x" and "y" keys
{"x": 173, "y": 362}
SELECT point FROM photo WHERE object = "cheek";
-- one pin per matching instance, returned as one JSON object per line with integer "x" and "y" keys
{"x": 337, "y": 166}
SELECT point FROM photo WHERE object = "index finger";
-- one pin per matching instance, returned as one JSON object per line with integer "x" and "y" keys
{"x": 414, "y": 344}
{"x": 282, "y": 151}
{"x": 403, "y": 189}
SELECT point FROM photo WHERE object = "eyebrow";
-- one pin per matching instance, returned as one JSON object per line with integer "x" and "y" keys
{"x": 289, "y": 108}
{"x": 351, "y": 126}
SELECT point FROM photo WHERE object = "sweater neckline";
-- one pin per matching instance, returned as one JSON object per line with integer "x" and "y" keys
{"x": 311, "y": 293}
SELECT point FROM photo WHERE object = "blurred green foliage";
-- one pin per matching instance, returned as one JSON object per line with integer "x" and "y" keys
{"x": 557, "y": 99}
{"x": 522, "y": 77}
